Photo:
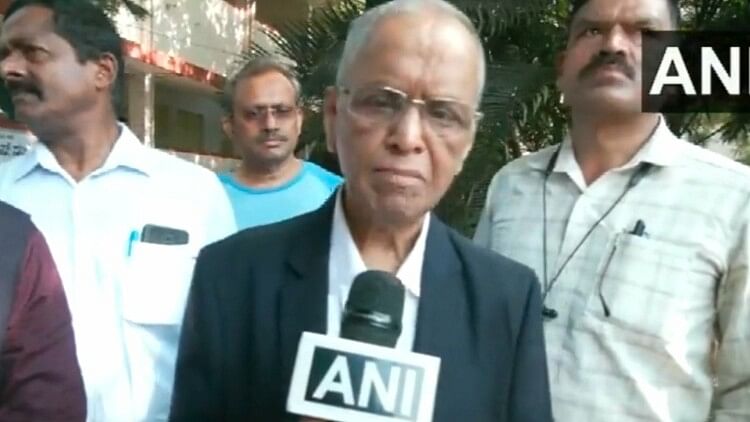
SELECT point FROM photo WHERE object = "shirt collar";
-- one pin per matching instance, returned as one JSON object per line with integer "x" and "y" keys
{"x": 661, "y": 149}
{"x": 350, "y": 263}
{"x": 127, "y": 152}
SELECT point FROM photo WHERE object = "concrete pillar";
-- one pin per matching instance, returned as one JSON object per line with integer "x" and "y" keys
{"x": 141, "y": 106}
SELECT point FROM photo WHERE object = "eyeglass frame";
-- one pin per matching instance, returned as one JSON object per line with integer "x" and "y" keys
{"x": 476, "y": 115}
{"x": 271, "y": 108}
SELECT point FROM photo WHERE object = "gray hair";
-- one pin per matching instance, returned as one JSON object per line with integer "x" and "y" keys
{"x": 255, "y": 67}
{"x": 361, "y": 29}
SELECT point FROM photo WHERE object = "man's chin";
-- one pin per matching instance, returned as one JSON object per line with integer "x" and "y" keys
{"x": 608, "y": 102}
{"x": 273, "y": 157}
{"x": 27, "y": 115}
{"x": 401, "y": 210}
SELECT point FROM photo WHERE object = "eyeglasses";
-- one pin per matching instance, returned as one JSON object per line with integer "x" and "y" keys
{"x": 382, "y": 105}
{"x": 277, "y": 111}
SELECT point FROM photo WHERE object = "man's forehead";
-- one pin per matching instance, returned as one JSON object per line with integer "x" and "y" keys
{"x": 265, "y": 88}
{"x": 413, "y": 42}
{"x": 28, "y": 23}
{"x": 425, "y": 28}
{"x": 623, "y": 11}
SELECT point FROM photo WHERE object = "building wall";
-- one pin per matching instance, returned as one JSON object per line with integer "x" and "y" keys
{"x": 177, "y": 59}
{"x": 208, "y": 33}
{"x": 179, "y": 113}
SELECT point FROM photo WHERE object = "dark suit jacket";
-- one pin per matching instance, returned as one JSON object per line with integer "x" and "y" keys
{"x": 254, "y": 293}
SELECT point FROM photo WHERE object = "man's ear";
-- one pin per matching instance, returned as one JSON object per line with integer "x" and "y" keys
{"x": 330, "y": 111}
{"x": 464, "y": 156}
{"x": 559, "y": 64}
{"x": 226, "y": 126}
{"x": 106, "y": 71}
{"x": 300, "y": 119}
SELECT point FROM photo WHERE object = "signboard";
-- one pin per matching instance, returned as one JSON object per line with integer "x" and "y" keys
{"x": 15, "y": 139}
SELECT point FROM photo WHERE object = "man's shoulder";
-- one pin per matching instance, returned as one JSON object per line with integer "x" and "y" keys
{"x": 10, "y": 215}
{"x": 523, "y": 166}
{"x": 529, "y": 162}
{"x": 488, "y": 260}
{"x": 14, "y": 167}
{"x": 491, "y": 267}
{"x": 497, "y": 283}
{"x": 181, "y": 178}
{"x": 16, "y": 228}
{"x": 164, "y": 164}
{"x": 711, "y": 163}
{"x": 330, "y": 179}
{"x": 259, "y": 243}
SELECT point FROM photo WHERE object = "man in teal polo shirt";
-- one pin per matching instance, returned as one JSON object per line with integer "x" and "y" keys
{"x": 264, "y": 121}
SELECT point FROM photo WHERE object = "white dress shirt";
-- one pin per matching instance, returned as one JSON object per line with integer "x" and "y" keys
{"x": 126, "y": 298}
{"x": 672, "y": 292}
{"x": 345, "y": 263}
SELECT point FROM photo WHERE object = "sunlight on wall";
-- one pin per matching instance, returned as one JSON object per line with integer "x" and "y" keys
{"x": 209, "y": 33}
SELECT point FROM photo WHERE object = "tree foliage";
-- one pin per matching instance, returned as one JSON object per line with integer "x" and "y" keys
{"x": 111, "y": 7}
{"x": 521, "y": 102}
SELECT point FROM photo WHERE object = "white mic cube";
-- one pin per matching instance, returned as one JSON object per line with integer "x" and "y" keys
{"x": 342, "y": 380}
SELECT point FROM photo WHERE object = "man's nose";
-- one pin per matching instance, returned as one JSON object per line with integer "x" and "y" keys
{"x": 268, "y": 120}
{"x": 615, "y": 41}
{"x": 12, "y": 67}
{"x": 408, "y": 133}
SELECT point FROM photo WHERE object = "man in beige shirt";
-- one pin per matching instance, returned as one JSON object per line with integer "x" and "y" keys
{"x": 640, "y": 241}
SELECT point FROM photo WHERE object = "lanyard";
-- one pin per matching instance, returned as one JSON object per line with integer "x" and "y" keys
{"x": 636, "y": 178}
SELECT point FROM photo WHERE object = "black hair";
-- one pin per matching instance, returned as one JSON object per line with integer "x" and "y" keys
{"x": 88, "y": 30}
{"x": 674, "y": 8}
{"x": 256, "y": 67}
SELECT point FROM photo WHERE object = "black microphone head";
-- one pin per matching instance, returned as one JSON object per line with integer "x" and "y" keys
{"x": 373, "y": 309}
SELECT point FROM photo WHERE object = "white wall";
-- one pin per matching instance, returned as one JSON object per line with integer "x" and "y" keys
{"x": 206, "y": 33}
{"x": 176, "y": 98}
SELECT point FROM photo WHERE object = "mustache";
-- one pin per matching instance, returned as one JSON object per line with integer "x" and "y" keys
{"x": 607, "y": 59}
{"x": 27, "y": 87}
{"x": 267, "y": 136}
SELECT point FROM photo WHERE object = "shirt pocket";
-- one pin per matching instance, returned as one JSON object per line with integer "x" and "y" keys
{"x": 157, "y": 282}
{"x": 651, "y": 287}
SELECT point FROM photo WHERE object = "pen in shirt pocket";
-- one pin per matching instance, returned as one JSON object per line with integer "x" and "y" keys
{"x": 639, "y": 229}
{"x": 131, "y": 240}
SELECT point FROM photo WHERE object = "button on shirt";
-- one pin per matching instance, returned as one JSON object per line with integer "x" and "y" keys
{"x": 672, "y": 291}
{"x": 345, "y": 263}
{"x": 126, "y": 297}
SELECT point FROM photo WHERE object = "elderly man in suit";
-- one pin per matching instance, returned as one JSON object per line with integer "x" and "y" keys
{"x": 402, "y": 119}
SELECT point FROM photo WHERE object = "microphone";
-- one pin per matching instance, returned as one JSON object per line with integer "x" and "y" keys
{"x": 374, "y": 309}
{"x": 360, "y": 376}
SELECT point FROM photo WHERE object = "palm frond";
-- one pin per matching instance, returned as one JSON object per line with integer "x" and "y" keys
{"x": 111, "y": 7}
{"x": 313, "y": 43}
{"x": 493, "y": 17}
{"x": 520, "y": 104}
{"x": 135, "y": 9}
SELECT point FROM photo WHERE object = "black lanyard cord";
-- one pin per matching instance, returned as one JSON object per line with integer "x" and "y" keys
{"x": 636, "y": 178}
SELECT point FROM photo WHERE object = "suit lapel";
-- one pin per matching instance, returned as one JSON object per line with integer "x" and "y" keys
{"x": 304, "y": 294}
{"x": 443, "y": 300}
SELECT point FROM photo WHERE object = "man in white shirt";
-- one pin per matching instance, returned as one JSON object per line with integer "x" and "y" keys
{"x": 124, "y": 222}
{"x": 640, "y": 241}
{"x": 402, "y": 118}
